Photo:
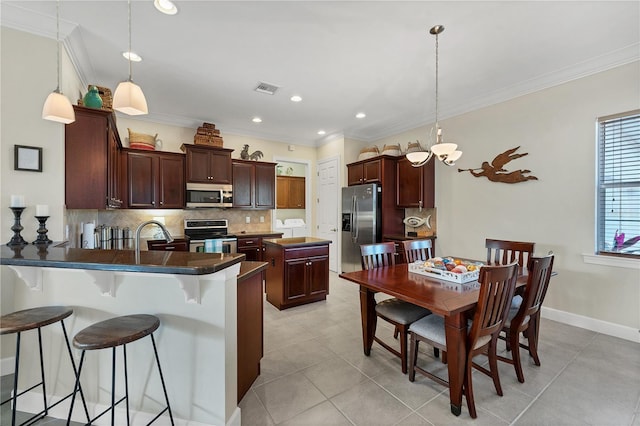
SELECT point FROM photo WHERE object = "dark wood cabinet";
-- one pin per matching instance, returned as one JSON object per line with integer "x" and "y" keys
{"x": 208, "y": 164}
{"x": 154, "y": 180}
{"x": 290, "y": 192}
{"x": 251, "y": 247}
{"x": 92, "y": 161}
{"x": 253, "y": 184}
{"x": 415, "y": 185}
{"x": 296, "y": 274}
{"x": 365, "y": 171}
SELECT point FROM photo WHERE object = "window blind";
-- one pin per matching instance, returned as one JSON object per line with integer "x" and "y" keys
{"x": 619, "y": 184}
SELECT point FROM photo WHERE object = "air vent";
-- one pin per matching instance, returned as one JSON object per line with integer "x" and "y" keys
{"x": 267, "y": 88}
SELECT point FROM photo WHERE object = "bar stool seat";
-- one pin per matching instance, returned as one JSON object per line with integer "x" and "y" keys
{"x": 111, "y": 333}
{"x": 32, "y": 319}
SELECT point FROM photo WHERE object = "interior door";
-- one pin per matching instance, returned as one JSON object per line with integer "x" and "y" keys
{"x": 327, "y": 207}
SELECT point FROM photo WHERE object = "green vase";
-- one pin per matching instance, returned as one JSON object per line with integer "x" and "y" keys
{"x": 92, "y": 99}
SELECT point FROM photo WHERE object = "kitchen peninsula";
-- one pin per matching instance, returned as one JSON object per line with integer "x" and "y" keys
{"x": 193, "y": 294}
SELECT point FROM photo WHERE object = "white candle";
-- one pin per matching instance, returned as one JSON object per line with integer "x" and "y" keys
{"x": 42, "y": 210}
{"x": 17, "y": 201}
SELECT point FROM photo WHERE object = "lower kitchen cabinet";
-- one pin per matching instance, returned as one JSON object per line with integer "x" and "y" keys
{"x": 154, "y": 180}
{"x": 251, "y": 245}
{"x": 298, "y": 271}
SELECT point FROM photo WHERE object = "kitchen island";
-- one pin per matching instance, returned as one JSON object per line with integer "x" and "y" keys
{"x": 298, "y": 270}
{"x": 193, "y": 294}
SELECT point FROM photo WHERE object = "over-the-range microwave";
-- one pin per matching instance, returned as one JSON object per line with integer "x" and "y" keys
{"x": 203, "y": 195}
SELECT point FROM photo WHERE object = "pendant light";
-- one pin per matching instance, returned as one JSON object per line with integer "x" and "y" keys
{"x": 445, "y": 152}
{"x": 57, "y": 107}
{"x": 128, "y": 97}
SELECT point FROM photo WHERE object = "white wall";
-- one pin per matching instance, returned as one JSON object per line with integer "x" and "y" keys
{"x": 556, "y": 127}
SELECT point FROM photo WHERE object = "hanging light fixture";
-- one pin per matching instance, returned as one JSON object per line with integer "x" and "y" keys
{"x": 57, "y": 107}
{"x": 445, "y": 152}
{"x": 128, "y": 97}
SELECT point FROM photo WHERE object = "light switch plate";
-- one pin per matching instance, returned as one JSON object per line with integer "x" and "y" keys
{"x": 247, "y": 219}
{"x": 261, "y": 219}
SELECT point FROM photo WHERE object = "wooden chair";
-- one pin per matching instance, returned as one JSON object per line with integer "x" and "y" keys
{"x": 501, "y": 252}
{"x": 524, "y": 319}
{"x": 497, "y": 284}
{"x": 397, "y": 312}
{"x": 417, "y": 250}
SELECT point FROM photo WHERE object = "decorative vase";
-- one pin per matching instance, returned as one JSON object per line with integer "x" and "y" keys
{"x": 92, "y": 99}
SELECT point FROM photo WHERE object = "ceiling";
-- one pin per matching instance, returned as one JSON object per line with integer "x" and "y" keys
{"x": 342, "y": 58}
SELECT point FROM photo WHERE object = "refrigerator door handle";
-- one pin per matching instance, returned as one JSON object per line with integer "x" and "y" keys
{"x": 351, "y": 218}
{"x": 355, "y": 222}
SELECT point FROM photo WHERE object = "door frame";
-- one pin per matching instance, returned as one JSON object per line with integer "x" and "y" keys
{"x": 307, "y": 191}
{"x": 338, "y": 195}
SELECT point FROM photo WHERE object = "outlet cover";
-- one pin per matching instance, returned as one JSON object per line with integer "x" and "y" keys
{"x": 261, "y": 219}
{"x": 247, "y": 219}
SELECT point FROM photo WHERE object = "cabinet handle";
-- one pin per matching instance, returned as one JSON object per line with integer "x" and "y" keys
{"x": 161, "y": 202}
{"x": 153, "y": 203}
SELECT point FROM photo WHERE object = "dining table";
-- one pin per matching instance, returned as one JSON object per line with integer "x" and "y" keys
{"x": 453, "y": 301}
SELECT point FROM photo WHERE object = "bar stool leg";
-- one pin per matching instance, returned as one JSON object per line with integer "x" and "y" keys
{"x": 126, "y": 382}
{"x": 75, "y": 371}
{"x": 75, "y": 390}
{"x": 113, "y": 385}
{"x": 164, "y": 388}
{"x": 44, "y": 389}
{"x": 15, "y": 381}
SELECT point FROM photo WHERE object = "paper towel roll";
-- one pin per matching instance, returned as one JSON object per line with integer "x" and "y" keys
{"x": 88, "y": 236}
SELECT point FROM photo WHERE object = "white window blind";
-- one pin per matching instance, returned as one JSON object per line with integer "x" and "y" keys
{"x": 619, "y": 184}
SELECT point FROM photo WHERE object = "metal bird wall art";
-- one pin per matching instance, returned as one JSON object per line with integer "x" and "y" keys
{"x": 496, "y": 172}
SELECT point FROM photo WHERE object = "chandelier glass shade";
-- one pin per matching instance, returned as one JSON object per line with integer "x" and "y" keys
{"x": 57, "y": 106}
{"x": 128, "y": 97}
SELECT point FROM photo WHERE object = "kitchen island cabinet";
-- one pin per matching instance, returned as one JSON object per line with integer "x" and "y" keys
{"x": 207, "y": 164}
{"x": 250, "y": 244}
{"x": 154, "y": 180}
{"x": 92, "y": 161}
{"x": 298, "y": 271}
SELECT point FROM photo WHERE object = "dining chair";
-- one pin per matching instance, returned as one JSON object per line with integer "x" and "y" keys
{"x": 417, "y": 250}
{"x": 522, "y": 319}
{"x": 501, "y": 252}
{"x": 497, "y": 284}
{"x": 397, "y": 312}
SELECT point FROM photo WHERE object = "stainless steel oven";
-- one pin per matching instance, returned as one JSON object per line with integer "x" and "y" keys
{"x": 210, "y": 235}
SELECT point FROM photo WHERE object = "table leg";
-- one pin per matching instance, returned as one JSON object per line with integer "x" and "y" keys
{"x": 369, "y": 318}
{"x": 456, "y": 335}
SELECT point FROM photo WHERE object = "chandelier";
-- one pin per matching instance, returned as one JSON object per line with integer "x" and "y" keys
{"x": 445, "y": 152}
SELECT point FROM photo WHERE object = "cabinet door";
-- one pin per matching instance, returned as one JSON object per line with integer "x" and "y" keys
{"x": 264, "y": 186}
{"x": 295, "y": 279}
{"x": 251, "y": 248}
{"x": 220, "y": 167}
{"x": 171, "y": 184}
{"x": 415, "y": 185}
{"x": 296, "y": 193}
{"x": 114, "y": 195}
{"x": 282, "y": 192}
{"x": 141, "y": 180}
{"x": 355, "y": 174}
{"x": 198, "y": 165}
{"x": 243, "y": 178}
{"x": 371, "y": 171}
{"x": 318, "y": 275}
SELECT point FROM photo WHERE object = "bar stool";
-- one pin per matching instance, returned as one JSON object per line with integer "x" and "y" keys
{"x": 112, "y": 333}
{"x": 30, "y": 319}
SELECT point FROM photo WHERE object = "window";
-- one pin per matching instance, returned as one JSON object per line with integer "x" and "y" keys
{"x": 619, "y": 184}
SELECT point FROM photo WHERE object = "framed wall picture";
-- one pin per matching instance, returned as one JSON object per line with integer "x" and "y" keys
{"x": 27, "y": 158}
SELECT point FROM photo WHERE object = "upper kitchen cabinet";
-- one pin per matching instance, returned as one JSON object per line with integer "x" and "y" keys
{"x": 154, "y": 180}
{"x": 290, "y": 192}
{"x": 415, "y": 185}
{"x": 92, "y": 161}
{"x": 372, "y": 170}
{"x": 253, "y": 184}
{"x": 208, "y": 164}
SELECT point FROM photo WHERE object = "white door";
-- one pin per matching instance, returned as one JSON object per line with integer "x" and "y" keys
{"x": 327, "y": 207}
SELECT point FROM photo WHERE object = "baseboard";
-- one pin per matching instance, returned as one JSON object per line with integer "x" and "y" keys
{"x": 7, "y": 365}
{"x": 599, "y": 326}
{"x": 235, "y": 419}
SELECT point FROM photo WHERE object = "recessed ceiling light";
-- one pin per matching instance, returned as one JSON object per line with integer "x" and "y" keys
{"x": 165, "y": 6}
{"x": 361, "y": 115}
{"x": 296, "y": 98}
{"x": 132, "y": 56}
{"x": 257, "y": 120}
{"x": 322, "y": 132}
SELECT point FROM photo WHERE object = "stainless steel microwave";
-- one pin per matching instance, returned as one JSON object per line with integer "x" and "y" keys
{"x": 203, "y": 195}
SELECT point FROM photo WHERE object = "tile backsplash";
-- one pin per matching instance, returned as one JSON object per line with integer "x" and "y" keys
{"x": 174, "y": 220}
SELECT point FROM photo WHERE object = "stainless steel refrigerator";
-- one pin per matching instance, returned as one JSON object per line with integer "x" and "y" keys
{"x": 360, "y": 222}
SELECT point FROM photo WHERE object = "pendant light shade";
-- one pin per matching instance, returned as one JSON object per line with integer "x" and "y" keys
{"x": 57, "y": 107}
{"x": 445, "y": 152}
{"x": 128, "y": 97}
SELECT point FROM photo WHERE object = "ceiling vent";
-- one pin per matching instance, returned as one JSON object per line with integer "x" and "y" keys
{"x": 267, "y": 88}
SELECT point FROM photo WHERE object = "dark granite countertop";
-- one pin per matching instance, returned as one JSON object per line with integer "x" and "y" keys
{"x": 161, "y": 262}
{"x": 250, "y": 268}
{"x": 297, "y": 242}
{"x": 258, "y": 234}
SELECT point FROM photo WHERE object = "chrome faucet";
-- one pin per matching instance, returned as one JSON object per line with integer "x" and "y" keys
{"x": 167, "y": 236}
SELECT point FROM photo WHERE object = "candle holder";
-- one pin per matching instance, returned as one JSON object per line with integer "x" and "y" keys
{"x": 42, "y": 231}
{"x": 17, "y": 239}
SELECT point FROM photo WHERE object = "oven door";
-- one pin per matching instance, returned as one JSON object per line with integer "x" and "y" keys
{"x": 228, "y": 245}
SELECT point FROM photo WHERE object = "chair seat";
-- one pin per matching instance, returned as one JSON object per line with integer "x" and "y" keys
{"x": 400, "y": 311}
{"x": 116, "y": 331}
{"x": 431, "y": 327}
{"x": 29, "y": 319}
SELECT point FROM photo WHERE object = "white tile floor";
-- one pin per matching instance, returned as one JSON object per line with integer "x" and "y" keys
{"x": 314, "y": 373}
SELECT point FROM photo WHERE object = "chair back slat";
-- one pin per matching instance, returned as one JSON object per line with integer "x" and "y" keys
{"x": 497, "y": 285}
{"x": 540, "y": 269}
{"x": 378, "y": 255}
{"x": 501, "y": 252}
{"x": 418, "y": 250}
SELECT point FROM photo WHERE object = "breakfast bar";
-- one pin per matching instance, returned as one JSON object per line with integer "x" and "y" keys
{"x": 193, "y": 294}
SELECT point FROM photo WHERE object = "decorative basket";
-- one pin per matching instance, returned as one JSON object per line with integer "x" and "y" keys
{"x": 392, "y": 150}
{"x": 142, "y": 141}
{"x": 368, "y": 152}
{"x": 419, "y": 267}
{"x": 207, "y": 134}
